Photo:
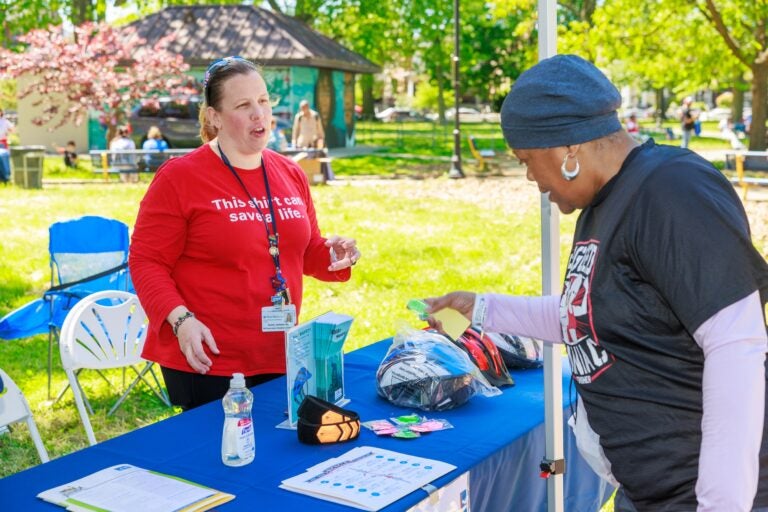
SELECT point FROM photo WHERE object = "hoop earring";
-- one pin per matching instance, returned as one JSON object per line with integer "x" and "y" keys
{"x": 569, "y": 175}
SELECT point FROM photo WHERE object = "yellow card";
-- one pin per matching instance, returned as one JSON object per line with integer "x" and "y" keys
{"x": 454, "y": 323}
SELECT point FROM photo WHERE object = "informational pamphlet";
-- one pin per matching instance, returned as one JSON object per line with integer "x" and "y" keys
{"x": 367, "y": 478}
{"x": 126, "y": 488}
{"x": 315, "y": 361}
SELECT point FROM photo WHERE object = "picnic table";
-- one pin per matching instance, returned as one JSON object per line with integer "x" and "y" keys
{"x": 755, "y": 162}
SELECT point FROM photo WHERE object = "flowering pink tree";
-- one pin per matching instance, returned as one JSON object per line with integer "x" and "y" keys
{"x": 99, "y": 67}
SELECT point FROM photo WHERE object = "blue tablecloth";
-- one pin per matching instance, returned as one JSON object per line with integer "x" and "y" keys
{"x": 499, "y": 440}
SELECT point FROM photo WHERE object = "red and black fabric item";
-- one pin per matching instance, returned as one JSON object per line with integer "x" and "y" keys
{"x": 485, "y": 355}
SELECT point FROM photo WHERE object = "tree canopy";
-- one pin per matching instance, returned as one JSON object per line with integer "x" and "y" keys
{"x": 668, "y": 45}
{"x": 97, "y": 67}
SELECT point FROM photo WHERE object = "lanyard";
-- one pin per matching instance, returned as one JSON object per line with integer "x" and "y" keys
{"x": 279, "y": 283}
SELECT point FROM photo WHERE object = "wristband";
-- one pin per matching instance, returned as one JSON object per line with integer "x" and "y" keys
{"x": 478, "y": 312}
{"x": 180, "y": 321}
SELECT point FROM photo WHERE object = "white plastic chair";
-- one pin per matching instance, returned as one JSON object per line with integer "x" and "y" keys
{"x": 14, "y": 408}
{"x": 105, "y": 330}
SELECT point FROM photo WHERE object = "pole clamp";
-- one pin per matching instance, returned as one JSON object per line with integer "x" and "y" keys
{"x": 551, "y": 467}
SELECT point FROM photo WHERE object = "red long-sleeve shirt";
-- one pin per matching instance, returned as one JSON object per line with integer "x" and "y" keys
{"x": 198, "y": 243}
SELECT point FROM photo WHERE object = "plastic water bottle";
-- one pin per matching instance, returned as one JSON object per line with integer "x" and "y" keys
{"x": 238, "y": 446}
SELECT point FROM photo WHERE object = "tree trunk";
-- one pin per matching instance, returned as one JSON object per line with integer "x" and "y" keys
{"x": 757, "y": 139}
{"x": 366, "y": 84}
{"x": 440, "y": 91}
{"x": 275, "y": 6}
{"x": 81, "y": 10}
{"x": 439, "y": 75}
{"x": 737, "y": 109}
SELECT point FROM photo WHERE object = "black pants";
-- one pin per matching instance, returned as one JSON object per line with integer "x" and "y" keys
{"x": 189, "y": 390}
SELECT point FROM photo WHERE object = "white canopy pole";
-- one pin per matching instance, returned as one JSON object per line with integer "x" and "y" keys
{"x": 550, "y": 285}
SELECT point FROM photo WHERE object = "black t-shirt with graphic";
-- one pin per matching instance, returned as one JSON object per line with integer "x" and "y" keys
{"x": 653, "y": 259}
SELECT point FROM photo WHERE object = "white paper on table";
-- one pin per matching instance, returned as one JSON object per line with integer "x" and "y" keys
{"x": 127, "y": 488}
{"x": 367, "y": 478}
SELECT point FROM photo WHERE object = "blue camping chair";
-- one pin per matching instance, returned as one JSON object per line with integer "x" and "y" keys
{"x": 87, "y": 254}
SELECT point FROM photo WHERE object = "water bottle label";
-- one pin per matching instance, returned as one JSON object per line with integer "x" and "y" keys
{"x": 245, "y": 442}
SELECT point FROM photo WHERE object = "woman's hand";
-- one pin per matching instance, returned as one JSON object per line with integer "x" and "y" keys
{"x": 192, "y": 333}
{"x": 463, "y": 302}
{"x": 344, "y": 252}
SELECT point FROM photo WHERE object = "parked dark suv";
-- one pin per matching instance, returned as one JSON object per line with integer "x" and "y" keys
{"x": 177, "y": 119}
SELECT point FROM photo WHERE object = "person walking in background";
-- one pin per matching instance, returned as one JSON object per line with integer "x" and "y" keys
{"x": 6, "y": 128}
{"x": 661, "y": 310}
{"x": 122, "y": 159}
{"x": 687, "y": 122}
{"x": 307, "y": 128}
{"x": 632, "y": 127}
{"x": 223, "y": 238}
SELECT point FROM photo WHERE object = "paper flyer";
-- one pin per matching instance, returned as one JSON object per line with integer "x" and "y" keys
{"x": 367, "y": 478}
{"x": 314, "y": 353}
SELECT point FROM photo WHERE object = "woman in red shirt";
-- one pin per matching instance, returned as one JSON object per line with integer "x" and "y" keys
{"x": 223, "y": 238}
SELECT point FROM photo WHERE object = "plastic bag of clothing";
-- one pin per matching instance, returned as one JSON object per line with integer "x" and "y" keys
{"x": 425, "y": 370}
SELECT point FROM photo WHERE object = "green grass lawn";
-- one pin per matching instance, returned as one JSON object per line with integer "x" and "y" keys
{"x": 418, "y": 239}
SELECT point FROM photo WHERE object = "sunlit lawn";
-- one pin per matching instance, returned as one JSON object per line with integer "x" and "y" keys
{"x": 418, "y": 238}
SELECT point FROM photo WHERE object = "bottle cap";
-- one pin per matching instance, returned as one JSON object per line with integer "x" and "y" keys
{"x": 238, "y": 381}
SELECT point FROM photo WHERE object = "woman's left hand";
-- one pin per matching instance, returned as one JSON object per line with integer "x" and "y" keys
{"x": 344, "y": 252}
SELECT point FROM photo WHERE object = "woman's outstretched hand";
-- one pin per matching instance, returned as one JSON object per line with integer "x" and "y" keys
{"x": 344, "y": 252}
{"x": 463, "y": 302}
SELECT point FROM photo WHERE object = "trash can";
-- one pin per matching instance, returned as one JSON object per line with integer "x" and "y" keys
{"x": 27, "y": 166}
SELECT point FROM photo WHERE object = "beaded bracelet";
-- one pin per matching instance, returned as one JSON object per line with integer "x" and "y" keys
{"x": 180, "y": 321}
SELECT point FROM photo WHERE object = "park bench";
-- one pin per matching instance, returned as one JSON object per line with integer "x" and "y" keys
{"x": 486, "y": 158}
{"x": 754, "y": 162}
{"x": 130, "y": 161}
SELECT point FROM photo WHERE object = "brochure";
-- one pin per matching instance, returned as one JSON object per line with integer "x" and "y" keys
{"x": 315, "y": 361}
{"x": 367, "y": 478}
{"x": 127, "y": 488}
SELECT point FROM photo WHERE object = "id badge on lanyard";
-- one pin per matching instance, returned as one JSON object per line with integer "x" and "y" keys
{"x": 278, "y": 318}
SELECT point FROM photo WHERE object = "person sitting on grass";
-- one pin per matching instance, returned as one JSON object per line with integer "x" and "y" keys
{"x": 70, "y": 154}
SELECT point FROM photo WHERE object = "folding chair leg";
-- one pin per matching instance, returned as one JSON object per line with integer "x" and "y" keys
{"x": 124, "y": 395}
{"x": 51, "y": 331}
{"x": 157, "y": 389}
{"x": 140, "y": 377}
{"x": 165, "y": 398}
{"x": 82, "y": 393}
{"x": 35, "y": 434}
{"x": 75, "y": 385}
{"x": 61, "y": 394}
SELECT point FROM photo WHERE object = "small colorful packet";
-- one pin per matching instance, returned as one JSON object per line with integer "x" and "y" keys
{"x": 380, "y": 427}
{"x": 409, "y": 419}
{"x": 408, "y": 426}
{"x": 430, "y": 426}
{"x": 406, "y": 433}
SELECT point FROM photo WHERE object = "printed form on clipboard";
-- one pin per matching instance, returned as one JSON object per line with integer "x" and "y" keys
{"x": 127, "y": 488}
